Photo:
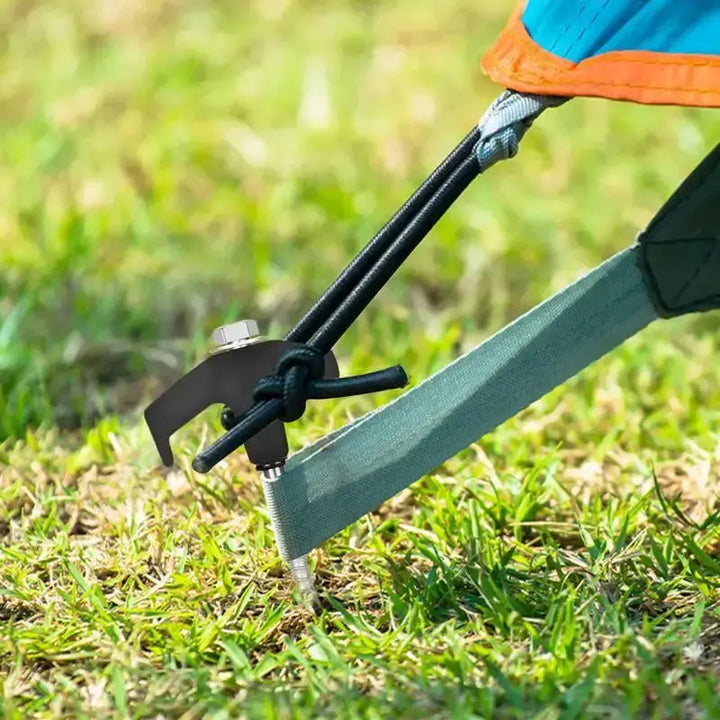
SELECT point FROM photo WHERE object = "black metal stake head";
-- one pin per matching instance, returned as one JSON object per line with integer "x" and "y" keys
{"x": 227, "y": 377}
{"x": 266, "y": 384}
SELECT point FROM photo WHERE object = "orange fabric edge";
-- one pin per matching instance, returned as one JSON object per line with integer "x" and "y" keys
{"x": 516, "y": 61}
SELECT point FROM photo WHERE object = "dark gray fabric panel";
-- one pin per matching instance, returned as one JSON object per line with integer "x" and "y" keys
{"x": 679, "y": 251}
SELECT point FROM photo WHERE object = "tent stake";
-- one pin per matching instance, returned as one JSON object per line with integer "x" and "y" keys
{"x": 300, "y": 570}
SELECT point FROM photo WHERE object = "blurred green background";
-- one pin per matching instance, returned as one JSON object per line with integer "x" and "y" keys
{"x": 172, "y": 165}
{"x": 168, "y": 166}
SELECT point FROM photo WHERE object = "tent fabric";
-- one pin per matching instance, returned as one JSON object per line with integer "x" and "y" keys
{"x": 672, "y": 268}
{"x": 647, "y": 51}
{"x": 347, "y": 474}
{"x": 680, "y": 249}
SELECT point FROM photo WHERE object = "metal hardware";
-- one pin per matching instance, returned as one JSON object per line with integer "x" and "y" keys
{"x": 300, "y": 570}
{"x": 235, "y": 335}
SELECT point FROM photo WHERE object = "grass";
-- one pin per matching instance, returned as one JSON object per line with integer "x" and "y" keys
{"x": 171, "y": 166}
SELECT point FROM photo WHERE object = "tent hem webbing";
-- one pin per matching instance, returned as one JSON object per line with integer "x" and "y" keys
{"x": 332, "y": 483}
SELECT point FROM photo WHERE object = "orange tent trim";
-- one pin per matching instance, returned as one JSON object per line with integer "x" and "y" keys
{"x": 516, "y": 61}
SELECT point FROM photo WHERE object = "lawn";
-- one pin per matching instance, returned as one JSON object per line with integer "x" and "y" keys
{"x": 170, "y": 166}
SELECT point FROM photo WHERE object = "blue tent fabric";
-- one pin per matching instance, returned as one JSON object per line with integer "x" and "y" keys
{"x": 648, "y": 51}
{"x": 578, "y": 30}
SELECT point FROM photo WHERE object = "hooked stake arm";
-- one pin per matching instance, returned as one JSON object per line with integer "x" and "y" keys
{"x": 299, "y": 373}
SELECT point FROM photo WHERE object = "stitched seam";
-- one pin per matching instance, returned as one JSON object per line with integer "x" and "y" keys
{"x": 695, "y": 304}
{"x": 660, "y": 60}
{"x": 571, "y": 84}
{"x": 513, "y": 59}
{"x": 584, "y": 30}
{"x": 521, "y": 37}
{"x": 579, "y": 15}
{"x": 564, "y": 76}
{"x": 695, "y": 275}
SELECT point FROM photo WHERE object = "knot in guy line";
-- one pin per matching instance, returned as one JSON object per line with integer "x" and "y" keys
{"x": 298, "y": 378}
{"x": 291, "y": 381}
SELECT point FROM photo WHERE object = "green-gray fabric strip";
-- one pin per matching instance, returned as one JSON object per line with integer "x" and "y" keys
{"x": 333, "y": 483}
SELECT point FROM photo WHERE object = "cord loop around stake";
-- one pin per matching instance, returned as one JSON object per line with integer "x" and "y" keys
{"x": 298, "y": 378}
{"x": 289, "y": 382}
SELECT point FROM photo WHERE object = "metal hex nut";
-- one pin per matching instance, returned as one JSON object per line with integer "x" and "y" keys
{"x": 236, "y": 332}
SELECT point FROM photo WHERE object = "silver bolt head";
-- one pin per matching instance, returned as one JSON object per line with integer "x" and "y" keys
{"x": 237, "y": 332}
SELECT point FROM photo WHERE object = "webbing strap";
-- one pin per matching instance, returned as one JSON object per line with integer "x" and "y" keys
{"x": 505, "y": 123}
{"x": 334, "y": 482}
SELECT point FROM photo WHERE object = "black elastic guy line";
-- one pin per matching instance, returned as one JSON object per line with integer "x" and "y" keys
{"x": 322, "y": 309}
{"x": 266, "y": 411}
{"x": 360, "y": 296}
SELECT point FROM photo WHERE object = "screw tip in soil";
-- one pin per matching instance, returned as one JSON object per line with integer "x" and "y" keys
{"x": 303, "y": 578}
